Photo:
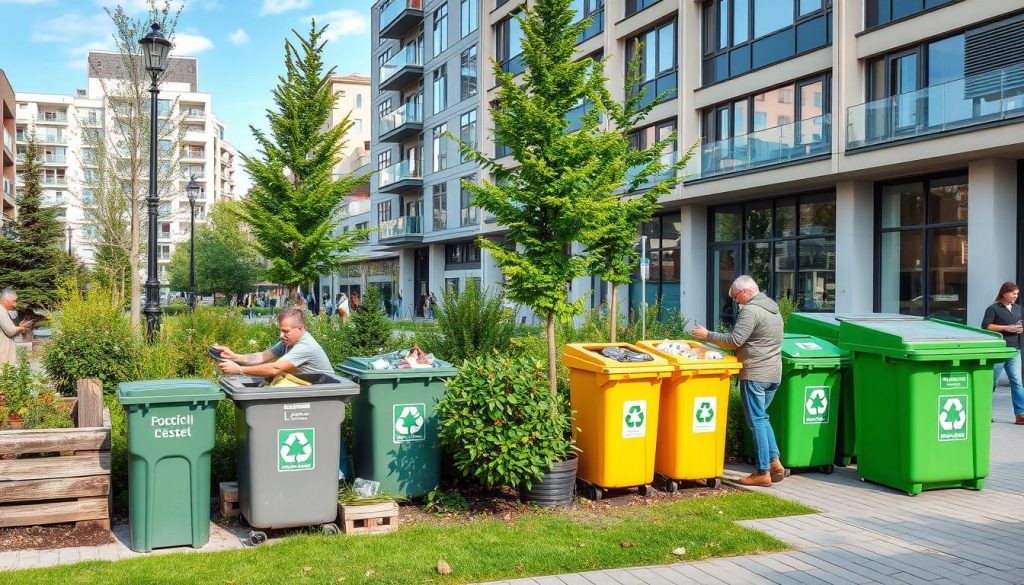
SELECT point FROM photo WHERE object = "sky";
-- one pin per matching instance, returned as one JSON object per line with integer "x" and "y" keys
{"x": 239, "y": 44}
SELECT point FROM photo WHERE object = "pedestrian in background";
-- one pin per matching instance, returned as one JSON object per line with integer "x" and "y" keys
{"x": 8, "y": 348}
{"x": 1006, "y": 317}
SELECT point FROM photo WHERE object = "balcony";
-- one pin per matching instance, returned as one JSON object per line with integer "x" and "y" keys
{"x": 399, "y": 17}
{"x": 977, "y": 100}
{"x": 52, "y": 117}
{"x": 51, "y": 138}
{"x": 407, "y": 229}
{"x": 54, "y": 181}
{"x": 8, "y": 188}
{"x": 401, "y": 177}
{"x": 194, "y": 155}
{"x": 195, "y": 114}
{"x": 404, "y": 122}
{"x": 773, "y": 146}
{"x": 667, "y": 160}
{"x": 55, "y": 159}
{"x": 403, "y": 68}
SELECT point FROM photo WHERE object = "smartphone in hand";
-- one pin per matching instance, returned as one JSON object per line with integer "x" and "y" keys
{"x": 215, "y": 354}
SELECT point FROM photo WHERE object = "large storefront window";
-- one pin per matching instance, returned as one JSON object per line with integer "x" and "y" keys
{"x": 787, "y": 245}
{"x": 922, "y": 244}
{"x": 663, "y": 282}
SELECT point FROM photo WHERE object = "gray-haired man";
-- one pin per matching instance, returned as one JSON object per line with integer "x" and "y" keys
{"x": 296, "y": 352}
{"x": 8, "y": 348}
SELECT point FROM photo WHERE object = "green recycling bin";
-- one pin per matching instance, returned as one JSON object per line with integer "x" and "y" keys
{"x": 170, "y": 438}
{"x": 394, "y": 424}
{"x": 804, "y": 411}
{"x": 923, "y": 400}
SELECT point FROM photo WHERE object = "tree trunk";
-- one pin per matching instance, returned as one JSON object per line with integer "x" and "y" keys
{"x": 133, "y": 259}
{"x": 613, "y": 312}
{"x": 552, "y": 366}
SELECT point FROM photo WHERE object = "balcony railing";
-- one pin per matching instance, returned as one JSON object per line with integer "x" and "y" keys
{"x": 57, "y": 181}
{"x": 667, "y": 160}
{"x": 405, "y": 170}
{"x": 390, "y": 13}
{"x": 772, "y": 146}
{"x": 195, "y": 114}
{"x": 58, "y": 159}
{"x": 969, "y": 101}
{"x": 52, "y": 138}
{"x": 407, "y": 225}
{"x": 194, "y": 154}
{"x": 409, "y": 56}
{"x": 52, "y": 117}
{"x": 410, "y": 113}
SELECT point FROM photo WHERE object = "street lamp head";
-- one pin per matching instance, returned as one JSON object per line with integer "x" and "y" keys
{"x": 155, "y": 49}
{"x": 192, "y": 189}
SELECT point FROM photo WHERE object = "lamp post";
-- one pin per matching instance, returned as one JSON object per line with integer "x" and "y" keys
{"x": 69, "y": 239}
{"x": 193, "y": 193}
{"x": 155, "y": 49}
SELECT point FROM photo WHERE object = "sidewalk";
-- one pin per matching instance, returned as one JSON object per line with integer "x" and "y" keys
{"x": 866, "y": 533}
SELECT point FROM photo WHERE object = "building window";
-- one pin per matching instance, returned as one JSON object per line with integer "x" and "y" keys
{"x": 440, "y": 145}
{"x": 879, "y": 12}
{"x": 463, "y": 255}
{"x": 440, "y": 203}
{"x": 741, "y": 35}
{"x": 467, "y": 131}
{"x": 663, "y": 279}
{"x": 586, "y": 9}
{"x": 467, "y": 69}
{"x": 658, "y": 72}
{"x": 384, "y": 160}
{"x": 383, "y": 212}
{"x": 384, "y": 108}
{"x": 509, "y": 48}
{"x": 634, "y": 6}
{"x": 440, "y": 29}
{"x": 363, "y": 225}
{"x": 469, "y": 18}
{"x": 359, "y": 100}
{"x": 468, "y": 215}
{"x": 787, "y": 245}
{"x": 440, "y": 88}
{"x": 922, "y": 247}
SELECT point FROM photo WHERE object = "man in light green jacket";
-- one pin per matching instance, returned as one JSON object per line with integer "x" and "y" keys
{"x": 757, "y": 339}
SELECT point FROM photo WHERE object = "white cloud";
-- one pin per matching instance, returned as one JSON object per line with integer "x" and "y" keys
{"x": 191, "y": 45}
{"x": 279, "y": 6}
{"x": 239, "y": 37}
{"x": 342, "y": 22}
{"x": 70, "y": 28}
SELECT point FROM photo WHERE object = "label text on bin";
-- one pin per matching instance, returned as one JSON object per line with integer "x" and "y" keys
{"x": 171, "y": 427}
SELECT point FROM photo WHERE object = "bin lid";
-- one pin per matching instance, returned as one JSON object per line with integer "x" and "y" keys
{"x": 728, "y": 362}
{"x": 359, "y": 369}
{"x": 807, "y": 351}
{"x": 826, "y": 325}
{"x": 587, "y": 356}
{"x": 167, "y": 391}
{"x": 246, "y": 388}
{"x": 920, "y": 338}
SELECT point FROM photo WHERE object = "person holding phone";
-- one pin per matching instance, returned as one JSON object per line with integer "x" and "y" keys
{"x": 1005, "y": 316}
{"x": 8, "y": 349}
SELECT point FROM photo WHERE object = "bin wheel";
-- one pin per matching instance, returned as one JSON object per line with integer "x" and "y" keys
{"x": 257, "y": 537}
{"x": 329, "y": 529}
{"x": 588, "y": 490}
{"x": 714, "y": 483}
{"x": 828, "y": 469}
{"x": 596, "y": 493}
{"x": 671, "y": 486}
{"x": 645, "y": 490}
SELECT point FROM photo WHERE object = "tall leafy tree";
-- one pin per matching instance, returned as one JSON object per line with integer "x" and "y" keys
{"x": 291, "y": 207}
{"x": 33, "y": 260}
{"x": 561, "y": 197}
{"x": 225, "y": 261}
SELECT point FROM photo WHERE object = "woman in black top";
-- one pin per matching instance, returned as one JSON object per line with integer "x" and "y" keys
{"x": 1005, "y": 316}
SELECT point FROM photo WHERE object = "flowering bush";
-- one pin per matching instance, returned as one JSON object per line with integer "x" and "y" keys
{"x": 26, "y": 402}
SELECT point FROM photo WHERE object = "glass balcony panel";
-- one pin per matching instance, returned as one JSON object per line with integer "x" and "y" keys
{"x": 409, "y": 56}
{"x": 789, "y": 142}
{"x": 407, "y": 225}
{"x": 407, "y": 169}
{"x": 410, "y": 113}
{"x": 391, "y": 11}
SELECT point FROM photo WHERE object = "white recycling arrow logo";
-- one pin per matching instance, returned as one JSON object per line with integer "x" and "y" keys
{"x": 286, "y": 449}
{"x": 817, "y": 403}
{"x": 953, "y": 416}
{"x": 409, "y": 422}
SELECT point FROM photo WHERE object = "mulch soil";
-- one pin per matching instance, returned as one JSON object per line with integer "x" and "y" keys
{"x": 54, "y": 536}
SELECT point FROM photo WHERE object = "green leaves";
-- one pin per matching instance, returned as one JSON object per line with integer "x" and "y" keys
{"x": 471, "y": 324}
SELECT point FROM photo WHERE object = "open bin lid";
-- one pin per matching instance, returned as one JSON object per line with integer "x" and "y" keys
{"x": 359, "y": 369}
{"x": 587, "y": 356}
{"x": 728, "y": 362}
{"x": 809, "y": 351}
{"x": 168, "y": 391}
{"x": 243, "y": 388}
{"x": 918, "y": 338}
{"x": 826, "y": 325}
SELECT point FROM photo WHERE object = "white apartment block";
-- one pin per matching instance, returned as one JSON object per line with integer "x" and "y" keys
{"x": 61, "y": 125}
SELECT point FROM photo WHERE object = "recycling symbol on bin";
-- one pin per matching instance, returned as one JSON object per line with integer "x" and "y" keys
{"x": 296, "y": 449}
{"x": 817, "y": 403}
{"x": 409, "y": 422}
{"x": 953, "y": 416}
{"x": 705, "y": 413}
{"x": 635, "y": 417}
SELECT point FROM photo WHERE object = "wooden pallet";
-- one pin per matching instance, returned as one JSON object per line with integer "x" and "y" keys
{"x": 369, "y": 519}
{"x": 228, "y": 499}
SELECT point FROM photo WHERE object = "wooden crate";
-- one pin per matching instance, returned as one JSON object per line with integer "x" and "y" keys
{"x": 72, "y": 483}
{"x": 369, "y": 519}
{"x": 228, "y": 499}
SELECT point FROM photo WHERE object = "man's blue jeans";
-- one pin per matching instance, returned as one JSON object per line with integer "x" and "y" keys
{"x": 756, "y": 397}
{"x": 1013, "y": 373}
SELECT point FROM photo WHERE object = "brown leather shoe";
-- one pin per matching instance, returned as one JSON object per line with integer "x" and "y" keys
{"x": 777, "y": 471}
{"x": 757, "y": 480}
{"x": 1020, "y": 419}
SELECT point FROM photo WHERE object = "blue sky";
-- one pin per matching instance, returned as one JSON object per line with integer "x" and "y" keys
{"x": 239, "y": 43}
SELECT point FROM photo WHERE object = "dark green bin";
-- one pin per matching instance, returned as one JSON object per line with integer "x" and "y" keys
{"x": 394, "y": 422}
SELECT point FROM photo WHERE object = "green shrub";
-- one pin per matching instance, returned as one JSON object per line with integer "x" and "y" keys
{"x": 500, "y": 423}
{"x": 222, "y": 463}
{"x": 735, "y": 423}
{"x": 332, "y": 335}
{"x": 787, "y": 305}
{"x": 371, "y": 328}
{"x": 92, "y": 339}
{"x": 26, "y": 402}
{"x": 118, "y": 452}
{"x": 471, "y": 324}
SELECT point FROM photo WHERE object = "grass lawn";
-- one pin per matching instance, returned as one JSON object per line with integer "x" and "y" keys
{"x": 482, "y": 549}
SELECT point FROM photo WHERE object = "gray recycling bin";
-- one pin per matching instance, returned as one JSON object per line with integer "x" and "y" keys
{"x": 289, "y": 444}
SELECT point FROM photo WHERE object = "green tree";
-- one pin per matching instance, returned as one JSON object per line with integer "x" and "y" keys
{"x": 371, "y": 328}
{"x": 33, "y": 260}
{"x": 225, "y": 261}
{"x": 291, "y": 207}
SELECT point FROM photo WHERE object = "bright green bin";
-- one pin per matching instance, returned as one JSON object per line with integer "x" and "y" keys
{"x": 803, "y": 413}
{"x": 170, "y": 438}
{"x": 923, "y": 400}
{"x": 394, "y": 425}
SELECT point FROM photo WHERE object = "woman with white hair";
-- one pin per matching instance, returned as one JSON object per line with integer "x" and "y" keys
{"x": 8, "y": 349}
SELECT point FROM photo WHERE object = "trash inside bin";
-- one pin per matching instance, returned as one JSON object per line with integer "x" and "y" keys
{"x": 170, "y": 437}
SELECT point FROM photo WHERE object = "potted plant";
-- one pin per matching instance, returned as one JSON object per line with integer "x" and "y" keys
{"x": 503, "y": 427}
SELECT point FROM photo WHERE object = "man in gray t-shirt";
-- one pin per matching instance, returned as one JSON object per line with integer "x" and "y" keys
{"x": 297, "y": 352}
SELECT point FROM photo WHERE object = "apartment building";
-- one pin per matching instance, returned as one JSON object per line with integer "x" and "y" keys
{"x": 849, "y": 154}
{"x": 69, "y": 127}
{"x": 7, "y": 150}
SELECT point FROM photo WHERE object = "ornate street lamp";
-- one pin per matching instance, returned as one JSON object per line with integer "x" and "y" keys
{"x": 69, "y": 238}
{"x": 193, "y": 192}
{"x": 155, "y": 49}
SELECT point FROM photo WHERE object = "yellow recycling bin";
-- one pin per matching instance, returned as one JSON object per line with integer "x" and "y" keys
{"x": 694, "y": 408}
{"x": 614, "y": 390}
